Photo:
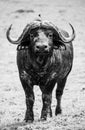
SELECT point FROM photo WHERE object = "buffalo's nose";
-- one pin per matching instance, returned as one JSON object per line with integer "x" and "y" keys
{"x": 42, "y": 48}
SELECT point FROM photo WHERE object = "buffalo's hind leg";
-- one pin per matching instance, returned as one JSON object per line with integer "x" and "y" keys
{"x": 28, "y": 88}
{"x": 59, "y": 92}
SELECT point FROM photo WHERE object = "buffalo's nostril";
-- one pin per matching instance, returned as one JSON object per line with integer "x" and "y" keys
{"x": 44, "y": 47}
{"x": 38, "y": 47}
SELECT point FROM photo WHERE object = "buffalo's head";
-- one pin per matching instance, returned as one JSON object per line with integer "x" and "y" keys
{"x": 41, "y": 40}
{"x": 42, "y": 37}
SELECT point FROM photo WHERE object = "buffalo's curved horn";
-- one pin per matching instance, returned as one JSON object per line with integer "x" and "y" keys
{"x": 63, "y": 38}
{"x": 67, "y": 39}
{"x": 19, "y": 39}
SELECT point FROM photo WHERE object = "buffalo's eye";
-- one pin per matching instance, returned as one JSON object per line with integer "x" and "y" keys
{"x": 31, "y": 36}
{"x": 50, "y": 35}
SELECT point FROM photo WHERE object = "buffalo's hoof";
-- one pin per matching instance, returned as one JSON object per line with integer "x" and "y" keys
{"x": 58, "y": 111}
{"x": 46, "y": 114}
{"x": 29, "y": 118}
{"x": 43, "y": 116}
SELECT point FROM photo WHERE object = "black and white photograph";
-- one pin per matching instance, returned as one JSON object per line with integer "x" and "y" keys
{"x": 42, "y": 65}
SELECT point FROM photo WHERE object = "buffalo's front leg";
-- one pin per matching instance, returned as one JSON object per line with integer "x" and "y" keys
{"x": 28, "y": 88}
{"x": 46, "y": 109}
{"x": 47, "y": 99}
{"x": 59, "y": 92}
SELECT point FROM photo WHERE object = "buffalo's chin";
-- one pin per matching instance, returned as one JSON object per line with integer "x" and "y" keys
{"x": 41, "y": 58}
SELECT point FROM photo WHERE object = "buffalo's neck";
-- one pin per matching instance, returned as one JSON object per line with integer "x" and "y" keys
{"x": 40, "y": 64}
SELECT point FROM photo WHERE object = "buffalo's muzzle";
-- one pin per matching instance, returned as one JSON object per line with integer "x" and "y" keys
{"x": 41, "y": 48}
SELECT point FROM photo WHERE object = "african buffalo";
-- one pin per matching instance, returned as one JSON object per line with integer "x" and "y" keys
{"x": 44, "y": 58}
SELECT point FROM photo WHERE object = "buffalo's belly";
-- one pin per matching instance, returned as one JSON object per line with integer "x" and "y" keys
{"x": 44, "y": 78}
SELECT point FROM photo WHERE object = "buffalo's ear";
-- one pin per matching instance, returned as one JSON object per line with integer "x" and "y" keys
{"x": 58, "y": 43}
{"x": 62, "y": 44}
{"x": 24, "y": 44}
{"x": 25, "y": 41}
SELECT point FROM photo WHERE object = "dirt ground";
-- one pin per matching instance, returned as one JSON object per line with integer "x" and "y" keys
{"x": 12, "y": 98}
